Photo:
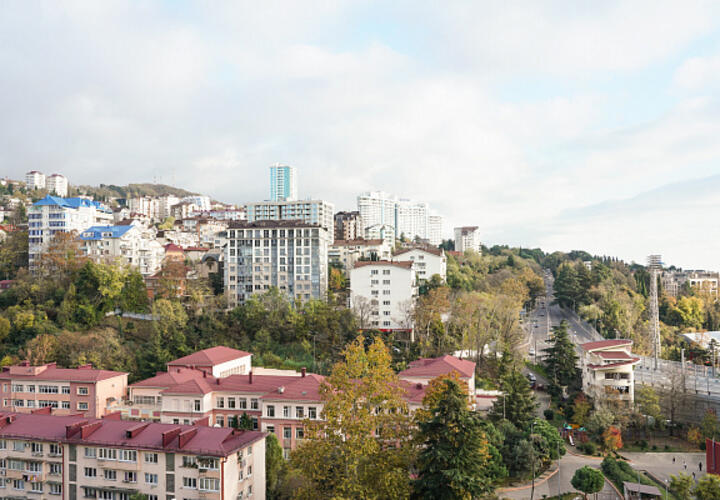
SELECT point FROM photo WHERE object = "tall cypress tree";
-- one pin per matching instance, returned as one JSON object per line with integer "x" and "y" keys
{"x": 518, "y": 403}
{"x": 561, "y": 359}
{"x": 454, "y": 457}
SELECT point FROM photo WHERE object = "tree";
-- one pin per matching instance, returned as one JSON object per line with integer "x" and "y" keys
{"x": 581, "y": 409}
{"x": 681, "y": 484}
{"x": 274, "y": 461}
{"x": 588, "y": 480}
{"x": 708, "y": 488}
{"x": 566, "y": 285}
{"x": 518, "y": 403}
{"x": 452, "y": 463}
{"x": 648, "y": 402}
{"x": 612, "y": 439}
{"x": 138, "y": 496}
{"x": 710, "y": 426}
{"x": 362, "y": 447}
{"x": 561, "y": 359}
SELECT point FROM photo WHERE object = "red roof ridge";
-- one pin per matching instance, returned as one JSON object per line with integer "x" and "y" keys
{"x": 405, "y": 264}
{"x": 602, "y": 344}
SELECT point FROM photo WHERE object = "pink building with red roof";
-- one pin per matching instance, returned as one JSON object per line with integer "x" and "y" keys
{"x": 423, "y": 370}
{"x": 607, "y": 370}
{"x": 218, "y": 361}
{"x": 64, "y": 390}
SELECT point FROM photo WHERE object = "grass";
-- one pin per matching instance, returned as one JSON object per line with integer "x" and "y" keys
{"x": 537, "y": 368}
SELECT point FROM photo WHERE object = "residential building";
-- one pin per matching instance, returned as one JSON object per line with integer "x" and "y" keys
{"x": 383, "y": 293}
{"x": 288, "y": 255}
{"x": 35, "y": 180}
{"x": 349, "y": 226}
{"x": 63, "y": 390}
{"x": 423, "y": 370}
{"x": 427, "y": 261}
{"x": 53, "y": 215}
{"x": 221, "y": 214}
{"x": 410, "y": 219}
{"x": 348, "y": 252}
{"x": 132, "y": 244}
{"x": 156, "y": 208}
{"x": 310, "y": 211}
{"x": 202, "y": 202}
{"x": 57, "y": 184}
{"x": 283, "y": 183}
{"x": 467, "y": 238}
{"x": 219, "y": 361}
{"x": 44, "y": 456}
{"x": 183, "y": 210}
{"x": 607, "y": 370}
{"x": 383, "y": 232}
{"x": 674, "y": 281}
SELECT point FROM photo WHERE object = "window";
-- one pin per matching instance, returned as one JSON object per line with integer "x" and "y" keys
{"x": 90, "y": 452}
{"x": 36, "y": 448}
{"x": 151, "y": 478}
{"x": 82, "y": 405}
{"x": 33, "y": 466}
{"x": 16, "y": 464}
{"x": 17, "y": 388}
{"x": 3, "y": 444}
{"x": 151, "y": 458}
{"x": 36, "y": 487}
{"x": 189, "y": 461}
{"x": 190, "y": 482}
{"x": 107, "y": 453}
{"x": 90, "y": 472}
{"x": 271, "y": 411}
{"x": 18, "y": 484}
{"x": 130, "y": 477}
{"x": 144, "y": 400}
{"x": 286, "y": 411}
{"x": 220, "y": 403}
{"x": 249, "y": 450}
{"x": 55, "y": 469}
{"x": 55, "y": 488}
{"x": 19, "y": 402}
{"x": 55, "y": 450}
{"x": 231, "y": 402}
{"x": 254, "y": 404}
{"x": 82, "y": 391}
{"x": 31, "y": 388}
{"x": 299, "y": 412}
{"x": 386, "y": 271}
{"x": 287, "y": 432}
{"x": 128, "y": 456}
{"x": 48, "y": 389}
{"x": 220, "y": 421}
{"x": 19, "y": 445}
{"x": 66, "y": 389}
{"x": 312, "y": 412}
{"x": 110, "y": 474}
{"x": 209, "y": 484}
{"x": 197, "y": 405}
{"x": 386, "y": 282}
{"x": 208, "y": 463}
{"x": 6, "y": 387}
{"x": 299, "y": 433}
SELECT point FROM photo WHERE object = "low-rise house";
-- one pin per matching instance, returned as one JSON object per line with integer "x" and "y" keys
{"x": 130, "y": 243}
{"x": 607, "y": 370}
{"x": 428, "y": 261}
{"x": 63, "y": 390}
{"x": 423, "y": 370}
{"x": 218, "y": 361}
{"x": 348, "y": 252}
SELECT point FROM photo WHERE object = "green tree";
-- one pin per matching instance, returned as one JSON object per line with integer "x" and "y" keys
{"x": 452, "y": 463}
{"x": 647, "y": 402}
{"x": 710, "y": 426}
{"x": 561, "y": 359}
{"x": 566, "y": 286}
{"x": 588, "y": 480}
{"x": 518, "y": 403}
{"x": 138, "y": 496}
{"x": 274, "y": 462}
{"x": 4, "y": 328}
{"x": 681, "y": 484}
{"x": 708, "y": 488}
{"x": 133, "y": 297}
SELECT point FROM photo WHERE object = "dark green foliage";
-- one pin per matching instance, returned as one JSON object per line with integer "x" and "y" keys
{"x": 274, "y": 462}
{"x": 588, "y": 480}
{"x": 561, "y": 360}
{"x": 518, "y": 403}
{"x": 619, "y": 471}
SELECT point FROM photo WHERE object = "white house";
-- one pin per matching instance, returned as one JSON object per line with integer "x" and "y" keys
{"x": 130, "y": 243}
{"x": 427, "y": 261}
{"x": 348, "y": 252}
{"x": 607, "y": 370}
{"x": 35, "y": 180}
{"x": 467, "y": 238}
{"x": 57, "y": 184}
{"x": 385, "y": 292}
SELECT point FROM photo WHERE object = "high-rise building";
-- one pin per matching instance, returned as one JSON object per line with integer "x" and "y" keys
{"x": 35, "y": 180}
{"x": 348, "y": 226}
{"x": 310, "y": 211}
{"x": 57, "y": 184}
{"x": 283, "y": 185}
{"x": 289, "y": 255}
{"x": 467, "y": 238}
{"x": 410, "y": 219}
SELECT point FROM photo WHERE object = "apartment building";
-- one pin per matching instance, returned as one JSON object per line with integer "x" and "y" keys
{"x": 285, "y": 254}
{"x": 57, "y": 184}
{"x": 34, "y": 180}
{"x": 70, "y": 457}
{"x": 427, "y": 261}
{"x": 64, "y": 391}
{"x": 386, "y": 290}
{"x": 53, "y": 215}
{"x": 673, "y": 281}
{"x": 348, "y": 252}
{"x": 349, "y": 226}
{"x": 467, "y": 238}
{"x": 283, "y": 183}
{"x": 409, "y": 218}
{"x": 218, "y": 361}
{"x": 607, "y": 370}
{"x": 132, "y": 244}
{"x": 423, "y": 370}
{"x": 157, "y": 208}
{"x": 308, "y": 211}
{"x": 383, "y": 232}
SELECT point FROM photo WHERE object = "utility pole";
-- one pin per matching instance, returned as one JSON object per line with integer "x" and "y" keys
{"x": 654, "y": 266}
{"x": 532, "y": 451}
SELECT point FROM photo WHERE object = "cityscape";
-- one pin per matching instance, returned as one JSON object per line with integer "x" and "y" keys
{"x": 359, "y": 251}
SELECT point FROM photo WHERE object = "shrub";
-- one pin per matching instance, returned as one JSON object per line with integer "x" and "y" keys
{"x": 654, "y": 447}
{"x": 588, "y": 448}
{"x": 549, "y": 414}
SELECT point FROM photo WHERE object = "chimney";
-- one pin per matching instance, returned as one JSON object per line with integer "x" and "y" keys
{"x": 25, "y": 363}
{"x": 88, "y": 366}
{"x": 204, "y": 374}
{"x": 250, "y": 377}
{"x": 303, "y": 371}
{"x": 217, "y": 381}
{"x": 418, "y": 386}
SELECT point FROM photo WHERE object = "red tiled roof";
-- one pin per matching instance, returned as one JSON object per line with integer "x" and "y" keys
{"x": 414, "y": 392}
{"x": 347, "y": 243}
{"x": 603, "y": 344}
{"x": 168, "y": 379}
{"x": 614, "y": 355}
{"x": 434, "y": 251}
{"x": 193, "y": 386}
{"x": 211, "y": 441}
{"x": 208, "y": 357}
{"x": 261, "y": 384}
{"x": 407, "y": 264}
{"x": 51, "y": 372}
{"x": 631, "y": 361}
{"x": 172, "y": 247}
{"x": 196, "y": 249}
{"x": 434, "y": 367}
{"x": 305, "y": 388}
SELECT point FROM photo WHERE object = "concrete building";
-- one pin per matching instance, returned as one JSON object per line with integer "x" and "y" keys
{"x": 423, "y": 370}
{"x": 607, "y": 370}
{"x": 673, "y": 281}
{"x": 63, "y": 391}
{"x": 348, "y": 252}
{"x": 219, "y": 361}
{"x": 467, "y": 238}
{"x": 57, "y": 184}
{"x": 202, "y": 202}
{"x": 289, "y": 255}
{"x": 310, "y": 211}
{"x": 435, "y": 228}
{"x": 383, "y": 293}
{"x": 427, "y": 261}
{"x": 48, "y": 456}
{"x": 283, "y": 183}
{"x": 409, "y": 218}
{"x": 53, "y": 215}
{"x": 349, "y": 226}
{"x": 381, "y": 232}
{"x": 34, "y": 180}
{"x": 156, "y": 208}
{"x": 132, "y": 244}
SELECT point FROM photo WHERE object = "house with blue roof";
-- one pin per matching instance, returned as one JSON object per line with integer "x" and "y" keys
{"x": 130, "y": 244}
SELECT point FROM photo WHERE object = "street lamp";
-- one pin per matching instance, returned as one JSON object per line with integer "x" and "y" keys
{"x": 532, "y": 451}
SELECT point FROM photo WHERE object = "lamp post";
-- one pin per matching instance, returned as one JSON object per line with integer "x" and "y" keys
{"x": 532, "y": 452}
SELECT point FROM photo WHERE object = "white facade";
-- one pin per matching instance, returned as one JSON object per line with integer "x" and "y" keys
{"x": 607, "y": 370}
{"x": 426, "y": 262}
{"x": 348, "y": 252}
{"x": 673, "y": 281}
{"x": 388, "y": 289}
{"x": 409, "y": 218}
{"x": 283, "y": 183}
{"x": 467, "y": 238}
{"x": 200, "y": 201}
{"x": 381, "y": 232}
{"x": 157, "y": 208}
{"x": 57, "y": 184}
{"x": 132, "y": 244}
{"x": 35, "y": 180}
{"x": 309, "y": 211}
{"x": 435, "y": 229}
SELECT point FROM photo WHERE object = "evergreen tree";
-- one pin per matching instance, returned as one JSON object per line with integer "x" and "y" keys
{"x": 588, "y": 480}
{"x": 518, "y": 403}
{"x": 561, "y": 359}
{"x": 566, "y": 285}
{"x": 454, "y": 458}
{"x": 274, "y": 462}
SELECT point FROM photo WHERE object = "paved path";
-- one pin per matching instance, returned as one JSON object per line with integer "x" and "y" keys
{"x": 662, "y": 466}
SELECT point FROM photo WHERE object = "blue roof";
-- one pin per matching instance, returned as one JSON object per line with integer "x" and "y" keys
{"x": 96, "y": 232}
{"x": 69, "y": 202}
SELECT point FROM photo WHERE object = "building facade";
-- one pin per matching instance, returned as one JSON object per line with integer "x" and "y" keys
{"x": 57, "y": 184}
{"x": 349, "y": 226}
{"x": 288, "y": 255}
{"x": 35, "y": 180}
{"x": 607, "y": 370}
{"x": 309, "y": 211}
{"x": 64, "y": 391}
{"x": 409, "y": 218}
{"x": 132, "y": 244}
{"x": 427, "y": 261}
{"x": 283, "y": 183}
{"x": 674, "y": 281}
{"x": 348, "y": 252}
{"x": 467, "y": 238}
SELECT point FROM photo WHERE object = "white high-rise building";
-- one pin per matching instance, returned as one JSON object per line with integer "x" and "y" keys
{"x": 200, "y": 201}
{"x": 35, "y": 180}
{"x": 57, "y": 184}
{"x": 467, "y": 238}
{"x": 310, "y": 211}
{"x": 283, "y": 183}
{"x": 409, "y": 218}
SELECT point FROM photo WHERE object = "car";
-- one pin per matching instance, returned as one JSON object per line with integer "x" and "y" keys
{"x": 531, "y": 352}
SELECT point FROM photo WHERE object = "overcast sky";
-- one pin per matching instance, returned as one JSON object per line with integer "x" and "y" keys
{"x": 566, "y": 125}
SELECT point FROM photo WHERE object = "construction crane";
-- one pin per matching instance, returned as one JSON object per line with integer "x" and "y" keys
{"x": 654, "y": 267}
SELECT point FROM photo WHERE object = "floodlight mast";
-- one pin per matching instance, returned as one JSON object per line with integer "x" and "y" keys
{"x": 654, "y": 267}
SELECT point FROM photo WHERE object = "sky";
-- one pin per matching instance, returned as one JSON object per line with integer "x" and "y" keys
{"x": 561, "y": 125}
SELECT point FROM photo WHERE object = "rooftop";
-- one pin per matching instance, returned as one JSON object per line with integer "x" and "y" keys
{"x": 405, "y": 264}
{"x": 100, "y": 232}
{"x": 69, "y": 203}
{"x": 50, "y": 371}
{"x": 434, "y": 367}
{"x": 605, "y": 344}
{"x": 430, "y": 250}
{"x": 268, "y": 224}
{"x": 347, "y": 243}
{"x": 208, "y": 357}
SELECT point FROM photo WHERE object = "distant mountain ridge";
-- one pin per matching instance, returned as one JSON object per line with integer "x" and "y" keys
{"x": 108, "y": 192}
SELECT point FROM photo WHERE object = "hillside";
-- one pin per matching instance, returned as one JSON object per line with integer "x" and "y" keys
{"x": 107, "y": 192}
